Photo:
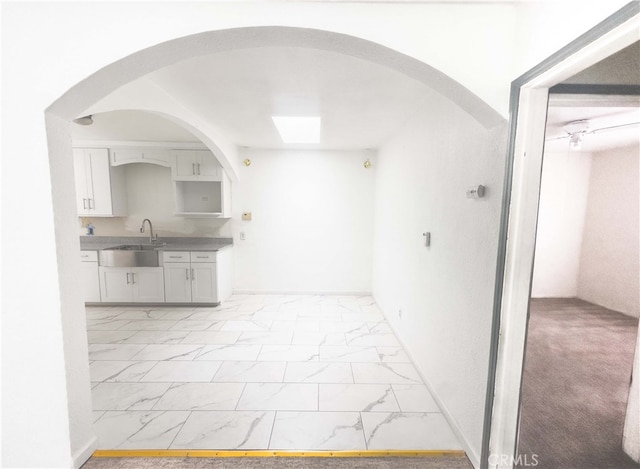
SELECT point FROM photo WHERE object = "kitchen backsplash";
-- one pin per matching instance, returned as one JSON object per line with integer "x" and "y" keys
{"x": 176, "y": 226}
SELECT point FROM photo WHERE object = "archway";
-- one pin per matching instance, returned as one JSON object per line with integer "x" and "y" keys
{"x": 81, "y": 97}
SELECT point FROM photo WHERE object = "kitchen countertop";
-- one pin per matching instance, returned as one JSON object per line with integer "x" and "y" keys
{"x": 98, "y": 243}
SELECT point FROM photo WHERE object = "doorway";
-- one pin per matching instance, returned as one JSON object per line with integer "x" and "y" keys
{"x": 529, "y": 101}
{"x": 582, "y": 325}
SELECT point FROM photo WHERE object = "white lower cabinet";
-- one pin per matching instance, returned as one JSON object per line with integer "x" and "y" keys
{"x": 204, "y": 285}
{"x": 132, "y": 284}
{"x": 90, "y": 276}
{"x": 190, "y": 277}
{"x": 177, "y": 282}
{"x": 186, "y": 277}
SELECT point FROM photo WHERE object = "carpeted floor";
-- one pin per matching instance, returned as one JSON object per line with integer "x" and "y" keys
{"x": 576, "y": 382}
{"x": 440, "y": 462}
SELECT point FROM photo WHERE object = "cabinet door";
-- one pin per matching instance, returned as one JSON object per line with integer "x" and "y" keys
{"x": 208, "y": 168}
{"x": 148, "y": 284}
{"x": 185, "y": 165}
{"x": 116, "y": 284}
{"x": 90, "y": 281}
{"x": 177, "y": 282}
{"x": 100, "y": 188}
{"x": 82, "y": 176}
{"x": 204, "y": 288}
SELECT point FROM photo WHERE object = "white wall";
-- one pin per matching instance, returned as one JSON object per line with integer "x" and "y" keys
{"x": 561, "y": 214}
{"x": 150, "y": 194}
{"x": 444, "y": 291}
{"x": 545, "y": 26}
{"x": 312, "y": 222}
{"x": 610, "y": 256}
{"x": 42, "y": 58}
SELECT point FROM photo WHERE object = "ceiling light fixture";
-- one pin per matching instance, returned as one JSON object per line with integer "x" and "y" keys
{"x": 576, "y": 131}
{"x": 294, "y": 129}
{"x": 84, "y": 120}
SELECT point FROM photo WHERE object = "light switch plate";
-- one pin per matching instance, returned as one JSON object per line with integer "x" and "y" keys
{"x": 246, "y": 216}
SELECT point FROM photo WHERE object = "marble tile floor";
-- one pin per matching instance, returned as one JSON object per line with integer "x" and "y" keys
{"x": 289, "y": 372}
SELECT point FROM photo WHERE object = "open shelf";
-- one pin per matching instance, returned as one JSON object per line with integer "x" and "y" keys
{"x": 199, "y": 198}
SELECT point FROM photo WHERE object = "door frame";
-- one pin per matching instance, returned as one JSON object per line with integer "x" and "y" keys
{"x": 521, "y": 193}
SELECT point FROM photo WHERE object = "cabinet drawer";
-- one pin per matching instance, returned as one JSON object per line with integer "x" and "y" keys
{"x": 175, "y": 256}
{"x": 89, "y": 256}
{"x": 203, "y": 256}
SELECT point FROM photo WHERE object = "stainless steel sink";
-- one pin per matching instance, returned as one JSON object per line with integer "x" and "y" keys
{"x": 130, "y": 255}
{"x": 134, "y": 247}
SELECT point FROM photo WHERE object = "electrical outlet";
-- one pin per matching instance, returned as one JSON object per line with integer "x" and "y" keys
{"x": 242, "y": 236}
{"x": 400, "y": 313}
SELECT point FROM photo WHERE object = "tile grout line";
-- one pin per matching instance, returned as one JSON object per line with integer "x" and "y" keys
{"x": 181, "y": 427}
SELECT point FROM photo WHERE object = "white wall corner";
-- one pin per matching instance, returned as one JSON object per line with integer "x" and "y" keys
{"x": 473, "y": 456}
{"x": 83, "y": 454}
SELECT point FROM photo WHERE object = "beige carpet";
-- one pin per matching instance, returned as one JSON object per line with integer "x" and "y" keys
{"x": 577, "y": 372}
{"x": 439, "y": 462}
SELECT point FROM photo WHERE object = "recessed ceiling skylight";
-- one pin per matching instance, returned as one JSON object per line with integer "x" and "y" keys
{"x": 298, "y": 129}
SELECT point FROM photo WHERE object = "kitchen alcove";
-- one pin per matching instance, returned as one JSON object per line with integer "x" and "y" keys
{"x": 200, "y": 185}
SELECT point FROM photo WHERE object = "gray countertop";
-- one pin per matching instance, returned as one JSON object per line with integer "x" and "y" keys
{"x": 97, "y": 243}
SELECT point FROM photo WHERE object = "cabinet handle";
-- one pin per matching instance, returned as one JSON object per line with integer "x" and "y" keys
{"x": 84, "y": 204}
{"x": 198, "y": 169}
{"x": 193, "y": 169}
{"x": 90, "y": 207}
{"x": 128, "y": 282}
{"x": 133, "y": 278}
{"x": 187, "y": 273}
{"x": 193, "y": 274}
{"x": 175, "y": 257}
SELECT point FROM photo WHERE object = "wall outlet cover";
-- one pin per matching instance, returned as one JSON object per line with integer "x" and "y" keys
{"x": 246, "y": 216}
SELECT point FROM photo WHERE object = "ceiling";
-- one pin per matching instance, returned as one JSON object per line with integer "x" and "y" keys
{"x": 608, "y": 126}
{"x": 361, "y": 103}
{"x": 610, "y": 118}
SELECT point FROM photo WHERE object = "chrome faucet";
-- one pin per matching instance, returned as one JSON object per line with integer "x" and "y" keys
{"x": 152, "y": 238}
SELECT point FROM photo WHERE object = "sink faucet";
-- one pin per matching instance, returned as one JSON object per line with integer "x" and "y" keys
{"x": 152, "y": 238}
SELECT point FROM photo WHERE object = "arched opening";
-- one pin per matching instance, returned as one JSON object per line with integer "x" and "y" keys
{"x": 456, "y": 105}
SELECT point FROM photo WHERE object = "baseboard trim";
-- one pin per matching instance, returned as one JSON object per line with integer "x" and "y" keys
{"x": 170, "y": 453}
{"x": 468, "y": 450}
{"x": 82, "y": 456}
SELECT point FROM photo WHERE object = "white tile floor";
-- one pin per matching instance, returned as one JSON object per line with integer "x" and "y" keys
{"x": 258, "y": 372}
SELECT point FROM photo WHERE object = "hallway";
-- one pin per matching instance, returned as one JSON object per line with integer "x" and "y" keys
{"x": 258, "y": 372}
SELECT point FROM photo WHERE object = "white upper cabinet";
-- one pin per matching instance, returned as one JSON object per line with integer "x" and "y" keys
{"x": 157, "y": 156}
{"x": 100, "y": 188}
{"x": 195, "y": 165}
{"x": 202, "y": 188}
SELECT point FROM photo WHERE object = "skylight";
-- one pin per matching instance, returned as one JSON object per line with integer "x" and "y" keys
{"x": 298, "y": 129}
